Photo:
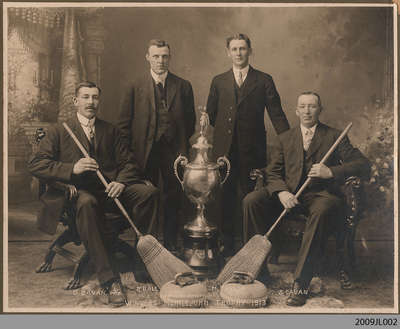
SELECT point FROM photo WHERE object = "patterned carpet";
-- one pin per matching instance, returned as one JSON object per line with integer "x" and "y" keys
{"x": 44, "y": 292}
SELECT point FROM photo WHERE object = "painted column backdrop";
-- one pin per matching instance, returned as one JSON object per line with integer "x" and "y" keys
{"x": 344, "y": 54}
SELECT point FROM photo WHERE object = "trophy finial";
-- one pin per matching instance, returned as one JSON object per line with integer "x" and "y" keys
{"x": 204, "y": 120}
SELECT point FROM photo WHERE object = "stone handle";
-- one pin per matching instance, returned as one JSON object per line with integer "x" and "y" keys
{"x": 224, "y": 161}
{"x": 180, "y": 159}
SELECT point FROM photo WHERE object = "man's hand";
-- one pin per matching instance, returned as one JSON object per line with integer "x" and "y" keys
{"x": 114, "y": 189}
{"x": 319, "y": 170}
{"x": 288, "y": 199}
{"x": 72, "y": 192}
{"x": 85, "y": 164}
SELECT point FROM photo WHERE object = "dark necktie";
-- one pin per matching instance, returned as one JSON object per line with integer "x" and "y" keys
{"x": 161, "y": 89}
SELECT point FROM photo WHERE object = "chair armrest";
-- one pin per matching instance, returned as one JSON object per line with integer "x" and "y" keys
{"x": 352, "y": 191}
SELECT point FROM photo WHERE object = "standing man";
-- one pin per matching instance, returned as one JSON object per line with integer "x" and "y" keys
{"x": 297, "y": 157}
{"x": 157, "y": 119}
{"x": 236, "y": 105}
{"x": 59, "y": 159}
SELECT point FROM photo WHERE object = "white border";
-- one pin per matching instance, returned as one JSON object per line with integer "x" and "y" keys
{"x": 7, "y": 5}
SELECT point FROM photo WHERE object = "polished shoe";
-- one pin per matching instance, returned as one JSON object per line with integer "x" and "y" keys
{"x": 116, "y": 294}
{"x": 298, "y": 295}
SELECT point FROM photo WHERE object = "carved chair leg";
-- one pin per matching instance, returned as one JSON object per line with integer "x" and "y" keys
{"x": 60, "y": 241}
{"x": 350, "y": 248}
{"x": 75, "y": 281}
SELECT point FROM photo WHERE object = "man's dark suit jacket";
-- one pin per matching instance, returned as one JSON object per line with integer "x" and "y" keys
{"x": 284, "y": 173}
{"x": 58, "y": 153}
{"x": 137, "y": 118}
{"x": 247, "y": 113}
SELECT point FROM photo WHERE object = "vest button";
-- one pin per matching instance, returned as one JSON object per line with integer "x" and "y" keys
{"x": 229, "y": 131}
{"x": 230, "y": 119}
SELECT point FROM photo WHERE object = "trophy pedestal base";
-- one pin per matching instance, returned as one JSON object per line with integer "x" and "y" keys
{"x": 201, "y": 253}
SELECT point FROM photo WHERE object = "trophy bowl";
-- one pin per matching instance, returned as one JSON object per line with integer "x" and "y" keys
{"x": 201, "y": 182}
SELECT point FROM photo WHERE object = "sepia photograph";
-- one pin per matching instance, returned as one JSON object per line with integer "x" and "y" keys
{"x": 200, "y": 158}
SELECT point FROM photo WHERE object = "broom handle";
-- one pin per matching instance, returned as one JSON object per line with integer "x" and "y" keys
{"x": 100, "y": 175}
{"x": 308, "y": 180}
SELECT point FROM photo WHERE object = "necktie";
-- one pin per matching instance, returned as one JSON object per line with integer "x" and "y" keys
{"x": 91, "y": 139}
{"x": 308, "y": 135}
{"x": 240, "y": 79}
{"x": 161, "y": 89}
{"x": 91, "y": 134}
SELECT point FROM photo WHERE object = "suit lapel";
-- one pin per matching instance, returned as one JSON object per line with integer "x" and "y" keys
{"x": 298, "y": 147}
{"x": 80, "y": 134}
{"x": 316, "y": 141}
{"x": 249, "y": 84}
{"x": 98, "y": 134}
{"x": 150, "y": 89}
{"x": 170, "y": 84}
{"x": 230, "y": 86}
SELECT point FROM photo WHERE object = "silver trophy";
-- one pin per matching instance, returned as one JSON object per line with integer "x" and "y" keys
{"x": 201, "y": 182}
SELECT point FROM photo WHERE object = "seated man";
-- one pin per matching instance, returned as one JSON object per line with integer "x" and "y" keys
{"x": 59, "y": 159}
{"x": 297, "y": 157}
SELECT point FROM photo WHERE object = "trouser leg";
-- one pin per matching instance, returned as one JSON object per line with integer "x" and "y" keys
{"x": 262, "y": 209}
{"x": 93, "y": 233}
{"x": 324, "y": 209}
{"x": 161, "y": 160}
{"x": 141, "y": 201}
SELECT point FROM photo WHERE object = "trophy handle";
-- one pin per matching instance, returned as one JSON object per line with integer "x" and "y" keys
{"x": 178, "y": 160}
{"x": 221, "y": 161}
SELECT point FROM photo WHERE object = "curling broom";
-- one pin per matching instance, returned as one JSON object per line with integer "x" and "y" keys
{"x": 253, "y": 254}
{"x": 160, "y": 263}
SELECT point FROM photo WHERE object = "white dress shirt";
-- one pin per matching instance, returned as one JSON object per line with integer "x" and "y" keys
{"x": 86, "y": 124}
{"x": 244, "y": 72}
{"x": 159, "y": 77}
{"x": 308, "y": 134}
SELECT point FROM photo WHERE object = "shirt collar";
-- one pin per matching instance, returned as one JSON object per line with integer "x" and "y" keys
{"x": 85, "y": 121}
{"x": 304, "y": 129}
{"x": 244, "y": 71}
{"x": 159, "y": 77}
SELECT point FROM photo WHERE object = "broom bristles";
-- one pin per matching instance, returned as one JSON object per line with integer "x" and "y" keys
{"x": 248, "y": 259}
{"x": 160, "y": 263}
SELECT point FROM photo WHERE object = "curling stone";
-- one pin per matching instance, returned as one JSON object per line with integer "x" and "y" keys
{"x": 185, "y": 291}
{"x": 242, "y": 291}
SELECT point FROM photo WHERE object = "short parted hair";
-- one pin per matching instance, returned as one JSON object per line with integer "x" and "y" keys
{"x": 87, "y": 84}
{"x": 158, "y": 43}
{"x": 238, "y": 36}
{"x": 314, "y": 94}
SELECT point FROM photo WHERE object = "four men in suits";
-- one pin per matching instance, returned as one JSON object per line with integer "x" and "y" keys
{"x": 297, "y": 157}
{"x": 236, "y": 105}
{"x": 157, "y": 118}
{"x": 60, "y": 159}
{"x": 155, "y": 123}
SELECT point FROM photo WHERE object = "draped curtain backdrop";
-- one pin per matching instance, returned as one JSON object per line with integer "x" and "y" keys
{"x": 49, "y": 50}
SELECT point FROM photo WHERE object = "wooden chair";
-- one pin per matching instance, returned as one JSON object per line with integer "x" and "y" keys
{"x": 70, "y": 235}
{"x": 292, "y": 227}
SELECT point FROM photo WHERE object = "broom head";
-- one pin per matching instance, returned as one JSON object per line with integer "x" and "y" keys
{"x": 160, "y": 263}
{"x": 248, "y": 259}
